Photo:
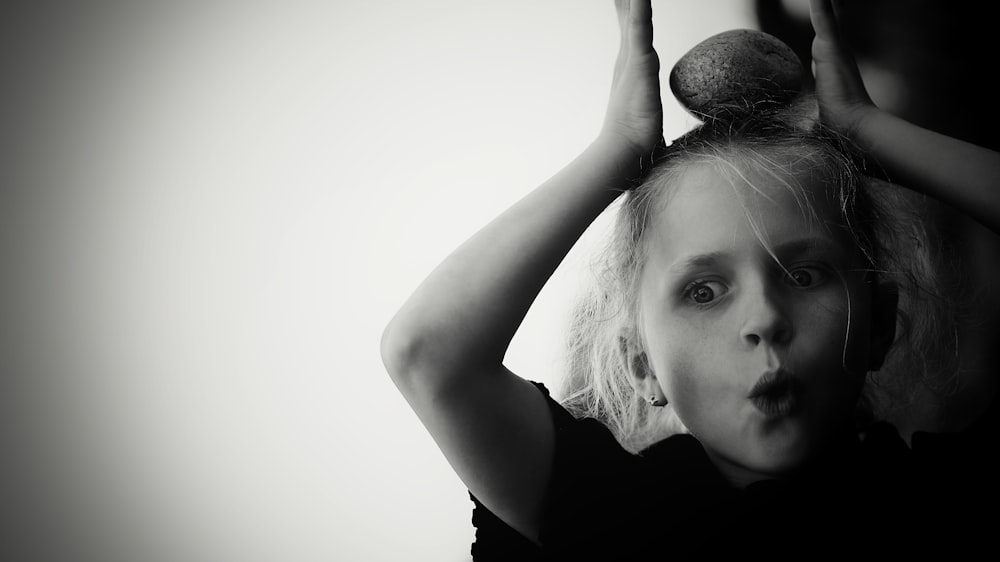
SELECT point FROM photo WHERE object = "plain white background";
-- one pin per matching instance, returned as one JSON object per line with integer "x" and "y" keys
{"x": 213, "y": 209}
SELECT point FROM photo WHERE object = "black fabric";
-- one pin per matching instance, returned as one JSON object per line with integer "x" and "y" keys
{"x": 876, "y": 496}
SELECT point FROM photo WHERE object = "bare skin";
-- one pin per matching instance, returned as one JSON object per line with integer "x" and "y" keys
{"x": 961, "y": 174}
{"x": 444, "y": 349}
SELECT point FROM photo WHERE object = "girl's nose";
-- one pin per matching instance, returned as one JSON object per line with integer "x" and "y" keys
{"x": 765, "y": 321}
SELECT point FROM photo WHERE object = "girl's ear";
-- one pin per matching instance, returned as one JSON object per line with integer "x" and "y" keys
{"x": 634, "y": 358}
{"x": 642, "y": 378}
{"x": 885, "y": 300}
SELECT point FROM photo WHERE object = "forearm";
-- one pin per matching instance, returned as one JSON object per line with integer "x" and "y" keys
{"x": 461, "y": 319}
{"x": 958, "y": 173}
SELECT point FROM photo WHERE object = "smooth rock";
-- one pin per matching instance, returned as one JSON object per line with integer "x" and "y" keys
{"x": 733, "y": 67}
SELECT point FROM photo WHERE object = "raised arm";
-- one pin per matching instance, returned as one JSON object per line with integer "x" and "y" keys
{"x": 961, "y": 174}
{"x": 444, "y": 348}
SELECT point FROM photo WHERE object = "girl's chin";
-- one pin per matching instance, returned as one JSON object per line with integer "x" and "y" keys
{"x": 781, "y": 450}
{"x": 748, "y": 466}
{"x": 773, "y": 456}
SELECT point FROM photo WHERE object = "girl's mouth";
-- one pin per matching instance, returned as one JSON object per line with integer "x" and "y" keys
{"x": 776, "y": 394}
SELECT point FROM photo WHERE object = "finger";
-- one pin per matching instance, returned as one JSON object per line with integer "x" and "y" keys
{"x": 640, "y": 26}
{"x": 824, "y": 19}
{"x": 838, "y": 13}
{"x": 622, "y": 8}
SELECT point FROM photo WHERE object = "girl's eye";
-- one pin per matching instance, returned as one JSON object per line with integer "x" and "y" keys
{"x": 704, "y": 292}
{"x": 805, "y": 277}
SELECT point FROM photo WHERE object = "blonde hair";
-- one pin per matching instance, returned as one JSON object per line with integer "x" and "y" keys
{"x": 885, "y": 223}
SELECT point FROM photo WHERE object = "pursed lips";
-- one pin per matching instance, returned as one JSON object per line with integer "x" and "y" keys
{"x": 776, "y": 393}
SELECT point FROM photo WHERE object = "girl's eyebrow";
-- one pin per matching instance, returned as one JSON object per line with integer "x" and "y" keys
{"x": 790, "y": 248}
{"x": 805, "y": 245}
{"x": 684, "y": 263}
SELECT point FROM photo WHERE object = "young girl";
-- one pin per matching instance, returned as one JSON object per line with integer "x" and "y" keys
{"x": 755, "y": 284}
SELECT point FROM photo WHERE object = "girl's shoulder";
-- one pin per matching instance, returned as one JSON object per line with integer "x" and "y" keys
{"x": 964, "y": 459}
{"x": 598, "y": 490}
{"x": 601, "y": 496}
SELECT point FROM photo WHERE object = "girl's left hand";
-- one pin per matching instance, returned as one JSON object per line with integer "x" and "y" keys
{"x": 843, "y": 100}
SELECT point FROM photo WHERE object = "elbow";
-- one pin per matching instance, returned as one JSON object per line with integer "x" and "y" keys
{"x": 411, "y": 360}
{"x": 421, "y": 360}
{"x": 398, "y": 350}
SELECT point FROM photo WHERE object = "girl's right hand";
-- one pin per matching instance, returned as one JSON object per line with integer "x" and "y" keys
{"x": 635, "y": 112}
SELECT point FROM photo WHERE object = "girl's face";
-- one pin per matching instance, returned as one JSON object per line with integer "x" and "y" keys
{"x": 761, "y": 356}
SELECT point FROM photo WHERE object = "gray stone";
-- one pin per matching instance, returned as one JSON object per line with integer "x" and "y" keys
{"x": 734, "y": 67}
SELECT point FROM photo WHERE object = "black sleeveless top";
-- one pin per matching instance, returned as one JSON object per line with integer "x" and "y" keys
{"x": 938, "y": 496}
